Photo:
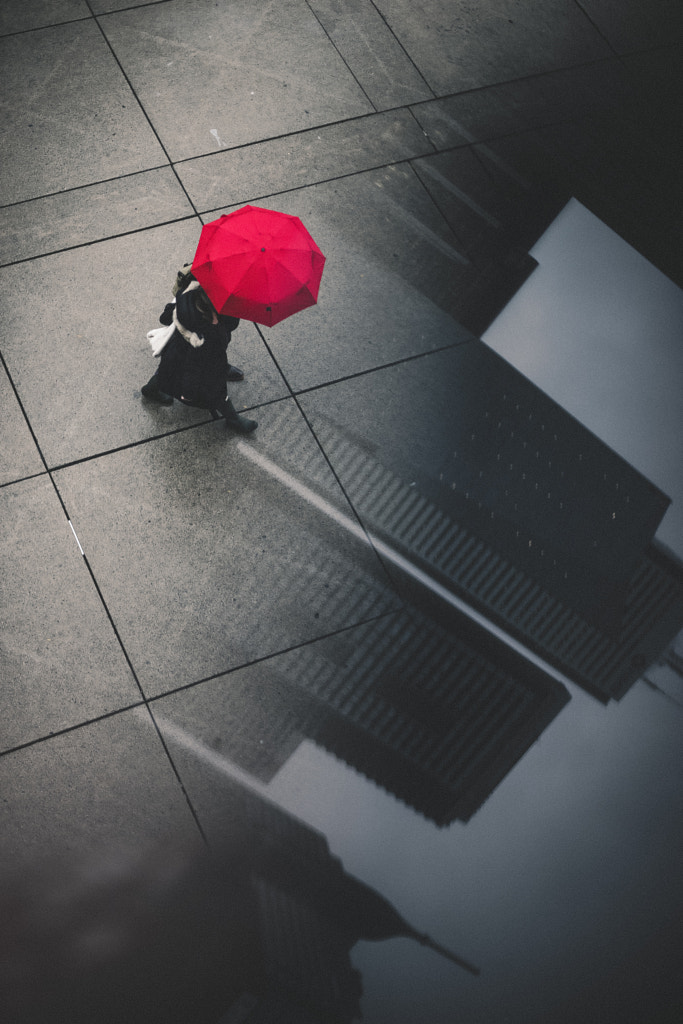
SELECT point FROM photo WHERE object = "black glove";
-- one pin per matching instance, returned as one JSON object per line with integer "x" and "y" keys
{"x": 166, "y": 317}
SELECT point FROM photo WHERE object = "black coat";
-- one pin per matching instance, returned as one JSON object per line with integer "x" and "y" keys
{"x": 195, "y": 373}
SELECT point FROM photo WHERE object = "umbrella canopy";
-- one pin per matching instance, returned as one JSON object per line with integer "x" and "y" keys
{"x": 258, "y": 264}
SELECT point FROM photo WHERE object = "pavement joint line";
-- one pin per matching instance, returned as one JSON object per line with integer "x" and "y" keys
{"x": 594, "y": 25}
{"x": 385, "y": 366}
{"x": 141, "y": 105}
{"x": 293, "y": 394}
{"x": 133, "y": 7}
{"x": 400, "y": 44}
{"x": 259, "y": 331}
{"x": 533, "y": 75}
{"x": 323, "y": 181}
{"x": 129, "y": 662}
{"x": 132, "y": 444}
{"x": 341, "y": 56}
{"x": 54, "y": 734}
{"x": 145, "y": 440}
{"x": 149, "y": 717}
{"x": 98, "y": 589}
{"x": 110, "y": 617}
{"x": 80, "y": 188}
{"x": 23, "y": 479}
{"x": 298, "y": 133}
{"x": 272, "y": 655}
{"x": 41, "y": 28}
{"x": 137, "y": 709}
{"x": 470, "y": 141}
{"x": 99, "y": 241}
{"x": 19, "y": 402}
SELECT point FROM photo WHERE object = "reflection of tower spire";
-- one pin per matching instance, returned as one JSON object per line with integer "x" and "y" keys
{"x": 367, "y": 915}
{"x": 425, "y": 940}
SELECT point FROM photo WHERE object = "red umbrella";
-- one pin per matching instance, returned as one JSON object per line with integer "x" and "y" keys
{"x": 258, "y": 265}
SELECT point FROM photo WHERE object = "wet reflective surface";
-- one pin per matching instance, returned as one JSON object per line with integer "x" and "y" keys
{"x": 377, "y": 710}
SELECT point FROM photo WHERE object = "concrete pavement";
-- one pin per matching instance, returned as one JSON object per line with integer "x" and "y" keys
{"x": 147, "y": 555}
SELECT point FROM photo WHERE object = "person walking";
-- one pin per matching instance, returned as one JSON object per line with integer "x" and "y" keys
{"x": 194, "y": 365}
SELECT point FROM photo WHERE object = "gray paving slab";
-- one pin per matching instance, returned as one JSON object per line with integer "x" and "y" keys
{"x": 213, "y": 549}
{"x": 265, "y": 168}
{"x": 19, "y": 456}
{"x": 458, "y": 45}
{"x": 16, "y": 17}
{"x": 76, "y": 344}
{"x": 92, "y": 790}
{"x": 69, "y": 112}
{"x": 60, "y": 662}
{"x": 373, "y": 53}
{"x": 221, "y": 76}
{"x": 510, "y": 107}
{"x": 389, "y": 284}
{"x": 630, "y": 25}
{"x": 91, "y": 213}
{"x": 229, "y": 557}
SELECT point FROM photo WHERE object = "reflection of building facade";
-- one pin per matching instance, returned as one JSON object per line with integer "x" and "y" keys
{"x": 256, "y": 931}
{"x": 532, "y": 521}
{"x": 437, "y": 716}
{"x": 305, "y": 974}
{"x": 310, "y": 913}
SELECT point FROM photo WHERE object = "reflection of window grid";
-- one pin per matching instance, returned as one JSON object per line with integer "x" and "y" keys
{"x": 420, "y": 711}
{"x": 606, "y": 665}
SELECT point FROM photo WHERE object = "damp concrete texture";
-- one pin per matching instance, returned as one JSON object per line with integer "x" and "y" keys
{"x": 177, "y": 602}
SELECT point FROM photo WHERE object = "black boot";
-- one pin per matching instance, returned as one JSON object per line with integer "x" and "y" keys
{"x": 151, "y": 390}
{"x": 236, "y": 422}
{"x": 234, "y": 373}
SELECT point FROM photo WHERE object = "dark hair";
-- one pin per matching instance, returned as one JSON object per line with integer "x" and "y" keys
{"x": 203, "y": 304}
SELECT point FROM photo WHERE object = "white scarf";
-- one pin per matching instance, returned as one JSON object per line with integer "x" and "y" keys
{"x": 160, "y": 336}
